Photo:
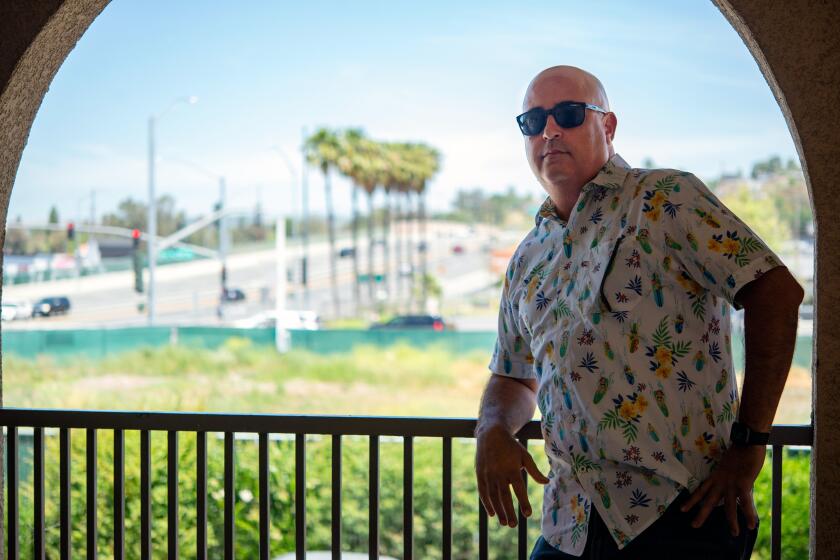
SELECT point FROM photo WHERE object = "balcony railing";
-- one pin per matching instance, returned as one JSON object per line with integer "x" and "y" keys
{"x": 263, "y": 425}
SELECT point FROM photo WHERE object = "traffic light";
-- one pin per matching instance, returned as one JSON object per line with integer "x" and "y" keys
{"x": 137, "y": 261}
{"x": 71, "y": 231}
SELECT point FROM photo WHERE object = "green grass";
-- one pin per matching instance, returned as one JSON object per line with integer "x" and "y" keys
{"x": 240, "y": 377}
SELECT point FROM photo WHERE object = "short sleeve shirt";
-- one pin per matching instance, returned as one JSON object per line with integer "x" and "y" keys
{"x": 621, "y": 313}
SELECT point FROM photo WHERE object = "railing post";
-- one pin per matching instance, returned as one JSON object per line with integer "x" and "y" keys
{"x": 172, "y": 493}
{"x": 64, "y": 505}
{"x": 265, "y": 498}
{"x": 119, "y": 494}
{"x": 38, "y": 479}
{"x": 447, "y": 498}
{"x": 336, "y": 497}
{"x": 373, "y": 507}
{"x": 90, "y": 463}
{"x": 12, "y": 481}
{"x": 776, "y": 505}
{"x": 230, "y": 496}
{"x": 300, "y": 496}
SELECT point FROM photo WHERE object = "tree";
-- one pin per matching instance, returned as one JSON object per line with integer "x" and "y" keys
{"x": 322, "y": 151}
{"x": 53, "y": 219}
{"x": 760, "y": 214}
{"x": 349, "y": 166}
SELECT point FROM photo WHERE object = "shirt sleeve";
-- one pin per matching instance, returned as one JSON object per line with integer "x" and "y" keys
{"x": 715, "y": 248}
{"x": 512, "y": 354}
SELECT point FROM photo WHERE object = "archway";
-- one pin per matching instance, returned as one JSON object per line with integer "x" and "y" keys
{"x": 798, "y": 57}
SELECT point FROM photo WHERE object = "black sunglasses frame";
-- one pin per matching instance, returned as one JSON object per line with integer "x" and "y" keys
{"x": 567, "y": 114}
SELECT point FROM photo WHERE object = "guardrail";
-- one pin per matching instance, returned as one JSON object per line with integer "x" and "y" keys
{"x": 263, "y": 424}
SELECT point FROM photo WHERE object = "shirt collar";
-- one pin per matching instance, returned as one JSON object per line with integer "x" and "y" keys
{"x": 610, "y": 177}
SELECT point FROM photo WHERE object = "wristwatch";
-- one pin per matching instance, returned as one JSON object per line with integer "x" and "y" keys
{"x": 741, "y": 434}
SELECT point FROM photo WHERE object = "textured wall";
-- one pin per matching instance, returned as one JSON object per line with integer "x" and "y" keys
{"x": 35, "y": 38}
{"x": 797, "y": 46}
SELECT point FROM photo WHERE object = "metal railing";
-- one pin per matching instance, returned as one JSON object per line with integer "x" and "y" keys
{"x": 230, "y": 424}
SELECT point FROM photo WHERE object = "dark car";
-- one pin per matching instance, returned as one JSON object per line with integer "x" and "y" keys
{"x": 48, "y": 306}
{"x": 346, "y": 252}
{"x": 432, "y": 322}
{"x": 233, "y": 294}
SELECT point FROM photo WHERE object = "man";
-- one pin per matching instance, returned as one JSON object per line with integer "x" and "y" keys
{"x": 614, "y": 319}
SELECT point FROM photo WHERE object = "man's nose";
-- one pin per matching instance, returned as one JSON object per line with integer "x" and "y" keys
{"x": 552, "y": 129}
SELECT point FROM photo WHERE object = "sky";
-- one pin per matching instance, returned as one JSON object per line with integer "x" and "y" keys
{"x": 686, "y": 91}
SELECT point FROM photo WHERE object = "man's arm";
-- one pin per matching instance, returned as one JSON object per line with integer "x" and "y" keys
{"x": 506, "y": 406}
{"x": 771, "y": 304}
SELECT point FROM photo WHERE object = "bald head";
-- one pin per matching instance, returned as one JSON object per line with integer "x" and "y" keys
{"x": 588, "y": 87}
{"x": 565, "y": 158}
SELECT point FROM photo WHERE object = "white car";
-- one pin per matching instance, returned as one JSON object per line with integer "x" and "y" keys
{"x": 16, "y": 310}
{"x": 296, "y": 319}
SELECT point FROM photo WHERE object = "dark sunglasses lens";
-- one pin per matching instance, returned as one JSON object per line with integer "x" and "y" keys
{"x": 569, "y": 116}
{"x": 532, "y": 122}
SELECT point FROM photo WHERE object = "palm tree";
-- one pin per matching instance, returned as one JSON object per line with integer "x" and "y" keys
{"x": 322, "y": 149}
{"x": 424, "y": 164}
{"x": 372, "y": 170}
{"x": 393, "y": 180}
{"x": 348, "y": 165}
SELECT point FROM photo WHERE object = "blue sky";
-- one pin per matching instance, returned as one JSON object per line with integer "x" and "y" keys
{"x": 686, "y": 91}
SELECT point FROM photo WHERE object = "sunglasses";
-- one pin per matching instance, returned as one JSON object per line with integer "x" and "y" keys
{"x": 567, "y": 114}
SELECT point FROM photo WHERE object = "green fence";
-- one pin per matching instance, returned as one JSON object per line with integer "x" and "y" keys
{"x": 96, "y": 343}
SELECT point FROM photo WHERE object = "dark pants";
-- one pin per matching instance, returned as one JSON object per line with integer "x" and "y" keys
{"x": 670, "y": 537}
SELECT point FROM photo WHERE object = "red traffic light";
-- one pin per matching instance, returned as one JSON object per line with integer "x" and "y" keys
{"x": 135, "y": 233}
{"x": 71, "y": 231}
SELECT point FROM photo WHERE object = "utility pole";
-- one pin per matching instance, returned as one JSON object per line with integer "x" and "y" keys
{"x": 304, "y": 232}
{"x": 223, "y": 239}
{"x": 281, "y": 335}
{"x": 152, "y": 226}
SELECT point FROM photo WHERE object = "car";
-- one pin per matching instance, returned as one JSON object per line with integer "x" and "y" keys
{"x": 49, "y": 306}
{"x": 346, "y": 252}
{"x": 406, "y": 270}
{"x": 296, "y": 319}
{"x": 233, "y": 294}
{"x": 458, "y": 249}
{"x": 432, "y": 322}
{"x": 16, "y": 310}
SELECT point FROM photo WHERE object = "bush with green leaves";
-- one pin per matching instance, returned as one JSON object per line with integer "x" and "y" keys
{"x": 355, "y": 496}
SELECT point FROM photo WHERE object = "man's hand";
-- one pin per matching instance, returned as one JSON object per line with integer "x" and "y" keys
{"x": 732, "y": 481}
{"x": 499, "y": 461}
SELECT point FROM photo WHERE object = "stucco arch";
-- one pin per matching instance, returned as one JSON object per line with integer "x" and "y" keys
{"x": 797, "y": 47}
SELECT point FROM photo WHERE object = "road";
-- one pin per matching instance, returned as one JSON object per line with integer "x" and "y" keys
{"x": 189, "y": 292}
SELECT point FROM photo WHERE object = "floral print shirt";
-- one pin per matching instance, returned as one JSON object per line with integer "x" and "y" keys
{"x": 621, "y": 314}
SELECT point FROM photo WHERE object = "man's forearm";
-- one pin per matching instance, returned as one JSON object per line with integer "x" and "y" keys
{"x": 770, "y": 320}
{"x": 507, "y": 403}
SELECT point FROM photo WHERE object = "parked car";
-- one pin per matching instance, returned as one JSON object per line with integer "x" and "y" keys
{"x": 16, "y": 310}
{"x": 458, "y": 249}
{"x": 297, "y": 319}
{"x": 233, "y": 294}
{"x": 433, "y": 322}
{"x": 346, "y": 252}
{"x": 49, "y": 306}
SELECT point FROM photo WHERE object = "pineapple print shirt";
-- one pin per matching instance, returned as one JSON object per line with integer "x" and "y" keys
{"x": 622, "y": 316}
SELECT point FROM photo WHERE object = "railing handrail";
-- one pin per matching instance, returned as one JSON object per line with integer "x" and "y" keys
{"x": 295, "y": 424}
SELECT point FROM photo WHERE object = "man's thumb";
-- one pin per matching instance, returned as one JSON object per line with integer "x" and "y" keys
{"x": 531, "y": 468}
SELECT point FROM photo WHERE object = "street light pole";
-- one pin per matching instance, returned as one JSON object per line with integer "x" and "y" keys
{"x": 152, "y": 225}
{"x": 152, "y": 215}
{"x": 281, "y": 334}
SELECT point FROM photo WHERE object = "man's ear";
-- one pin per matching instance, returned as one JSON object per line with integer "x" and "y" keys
{"x": 610, "y": 124}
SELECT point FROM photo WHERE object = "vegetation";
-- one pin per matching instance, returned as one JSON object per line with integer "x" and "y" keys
{"x": 238, "y": 377}
{"x": 397, "y": 168}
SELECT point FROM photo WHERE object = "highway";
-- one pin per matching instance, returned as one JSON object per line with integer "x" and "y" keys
{"x": 188, "y": 293}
